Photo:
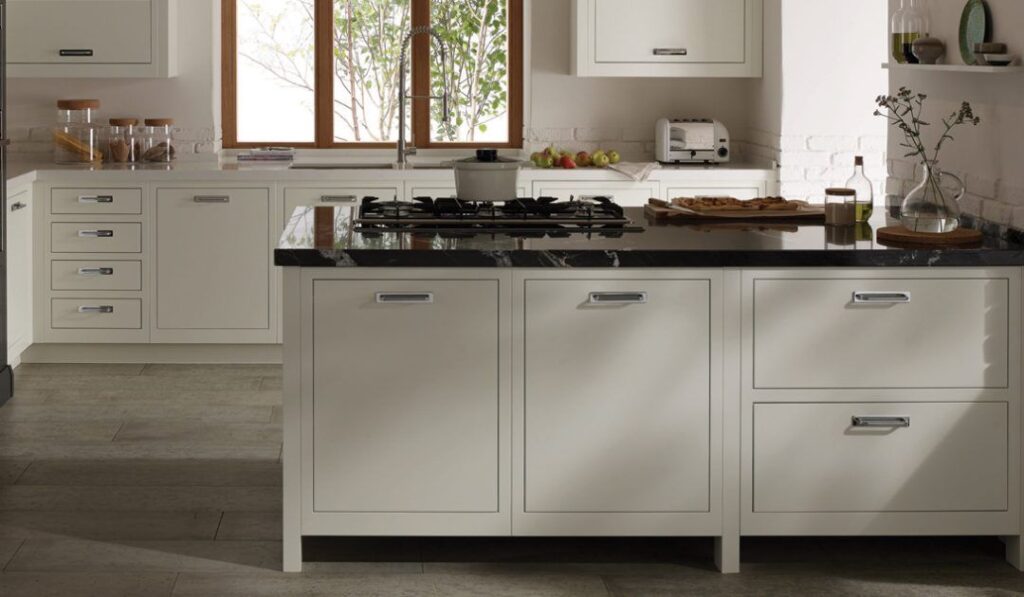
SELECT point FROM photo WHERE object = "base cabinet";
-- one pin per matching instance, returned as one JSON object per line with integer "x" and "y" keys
{"x": 19, "y": 273}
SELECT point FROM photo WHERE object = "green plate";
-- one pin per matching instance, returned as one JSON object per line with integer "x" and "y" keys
{"x": 975, "y": 28}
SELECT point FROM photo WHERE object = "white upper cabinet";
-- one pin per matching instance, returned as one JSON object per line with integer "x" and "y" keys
{"x": 668, "y": 38}
{"x": 92, "y": 38}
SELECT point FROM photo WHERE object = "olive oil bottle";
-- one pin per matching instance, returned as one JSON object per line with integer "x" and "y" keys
{"x": 903, "y": 47}
{"x": 865, "y": 199}
{"x": 909, "y": 23}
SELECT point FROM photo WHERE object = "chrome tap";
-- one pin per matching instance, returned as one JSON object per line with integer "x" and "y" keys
{"x": 403, "y": 149}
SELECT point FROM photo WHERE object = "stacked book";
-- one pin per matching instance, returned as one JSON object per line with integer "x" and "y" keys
{"x": 273, "y": 155}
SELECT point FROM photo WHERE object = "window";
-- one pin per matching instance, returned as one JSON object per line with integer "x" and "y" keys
{"x": 324, "y": 73}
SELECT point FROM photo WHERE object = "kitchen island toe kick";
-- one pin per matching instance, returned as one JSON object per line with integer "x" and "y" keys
{"x": 673, "y": 400}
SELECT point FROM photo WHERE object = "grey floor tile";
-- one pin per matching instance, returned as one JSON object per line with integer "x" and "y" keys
{"x": 402, "y": 585}
{"x": 49, "y": 584}
{"x": 58, "y": 431}
{"x": 212, "y": 372}
{"x": 272, "y": 383}
{"x": 113, "y": 451}
{"x": 277, "y": 414}
{"x": 77, "y": 555}
{"x": 11, "y": 470}
{"x": 250, "y": 526}
{"x": 78, "y": 370}
{"x": 197, "y": 398}
{"x": 139, "y": 499}
{"x": 501, "y": 585}
{"x": 110, "y": 525}
{"x": 556, "y": 568}
{"x": 154, "y": 473}
{"x": 199, "y": 431}
{"x": 8, "y": 547}
{"x": 136, "y": 384}
{"x": 29, "y": 411}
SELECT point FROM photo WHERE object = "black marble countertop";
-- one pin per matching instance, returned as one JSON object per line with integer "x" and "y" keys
{"x": 325, "y": 237}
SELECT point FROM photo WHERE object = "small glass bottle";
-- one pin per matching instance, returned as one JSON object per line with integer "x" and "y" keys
{"x": 865, "y": 197}
{"x": 158, "y": 140}
{"x": 909, "y": 23}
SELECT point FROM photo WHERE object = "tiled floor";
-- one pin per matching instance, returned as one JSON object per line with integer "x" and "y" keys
{"x": 165, "y": 480}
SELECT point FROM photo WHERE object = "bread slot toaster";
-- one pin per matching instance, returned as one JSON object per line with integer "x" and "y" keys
{"x": 692, "y": 141}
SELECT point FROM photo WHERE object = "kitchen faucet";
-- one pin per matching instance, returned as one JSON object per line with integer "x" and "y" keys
{"x": 403, "y": 149}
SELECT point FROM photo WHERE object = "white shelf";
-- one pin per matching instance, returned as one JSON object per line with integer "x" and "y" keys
{"x": 956, "y": 68}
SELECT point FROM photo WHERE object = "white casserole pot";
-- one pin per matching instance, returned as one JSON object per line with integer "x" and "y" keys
{"x": 486, "y": 177}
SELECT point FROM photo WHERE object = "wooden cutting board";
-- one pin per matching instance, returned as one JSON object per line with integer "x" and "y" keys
{"x": 898, "y": 236}
{"x": 663, "y": 210}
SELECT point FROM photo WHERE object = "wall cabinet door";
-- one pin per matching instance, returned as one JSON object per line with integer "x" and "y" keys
{"x": 617, "y": 402}
{"x": 19, "y": 273}
{"x": 213, "y": 270}
{"x": 406, "y": 402}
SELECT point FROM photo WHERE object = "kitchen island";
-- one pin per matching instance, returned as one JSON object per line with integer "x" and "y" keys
{"x": 676, "y": 380}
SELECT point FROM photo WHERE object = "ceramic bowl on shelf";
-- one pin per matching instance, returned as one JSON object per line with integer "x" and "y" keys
{"x": 999, "y": 59}
{"x": 928, "y": 50}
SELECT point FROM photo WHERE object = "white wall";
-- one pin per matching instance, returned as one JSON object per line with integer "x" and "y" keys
{"x": 989, "y": 156}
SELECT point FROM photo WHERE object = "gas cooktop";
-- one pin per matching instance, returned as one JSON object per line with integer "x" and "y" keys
{"x": 545, "y": 215}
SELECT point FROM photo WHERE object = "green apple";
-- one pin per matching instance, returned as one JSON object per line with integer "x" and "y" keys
{"x": 545, "y": 162}
{"x": 597, "y": 154}
{"x": 553, "y": 153}
{"x": 614, "y": 157}
{"x": 601, "y": 161}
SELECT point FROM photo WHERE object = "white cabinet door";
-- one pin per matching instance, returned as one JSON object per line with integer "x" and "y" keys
{"x": 406, "y": 400}
{"x": 617, "y": 403}
{"x": 673, "y": 31}
{"x": 627, "y": 194}
{"x": 19, "y": 273}
{"x": 213, "y": 272}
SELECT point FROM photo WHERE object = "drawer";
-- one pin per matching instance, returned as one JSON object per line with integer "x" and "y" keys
{"x": 96, "y": 201}
{"x": 95, "y": 237}
{"x": 96, "y": 314}
{"x": 813, "y": 458}
{"x": 96, "y": 275}
{"x": 333, "y": 196}
{"x": 881, "y": 333}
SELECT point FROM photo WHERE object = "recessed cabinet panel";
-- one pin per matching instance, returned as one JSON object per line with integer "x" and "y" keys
{"x": 96, "y": 314}
{"x": 406, "y": 396}
{"x": 95, "y": 275}
{"x": 19, "y": 271}
{"x": 79, "y": 32}
{"x": 880, "y": 457}
{"x": 617, "y": 396}
{"x": 670, "y": 31}
{"x": 213, "y": 259}
{"x": 96, "y": 201}
{"x": 881, "y": 333}
{"x": 95, "y": 237}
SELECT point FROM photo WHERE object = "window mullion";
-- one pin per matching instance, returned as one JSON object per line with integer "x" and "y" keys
{"x": 421, "y": 75}
{"x": 324, "y": 73}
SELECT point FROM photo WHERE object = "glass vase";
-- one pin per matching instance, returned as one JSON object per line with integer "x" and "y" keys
{"x": 933, "y": 205}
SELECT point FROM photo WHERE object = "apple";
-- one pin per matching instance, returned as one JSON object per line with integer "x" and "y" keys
{"x": 545, "y": 162}
{"x": 597, "y": 154}
{"x": 583, "y": 159}
{"x": 614, "y": 157}
{"x": 553, "y": 153}
{"x": 601, "y": 161}
{"x": 567, "y": 163}
{"x": 535, "y": 158}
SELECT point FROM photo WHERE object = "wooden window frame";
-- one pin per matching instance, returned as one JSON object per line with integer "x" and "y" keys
{"x": 324, "y": 83}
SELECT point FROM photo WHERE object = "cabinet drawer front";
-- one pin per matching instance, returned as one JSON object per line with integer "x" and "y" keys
{"x": 406, "y": 396}
{"x": 95, "y": 237}
{"x": 332, "y": 197}
{"x": 72, "y": 31}
{"x": 96, "y": 314}
{"x": 617, "y": 395}
{"x": 96, "y": 201}
{"x": 881, "y": 333}
{"x": 96, "y": 275}
{"x": 814, "y": 458}
{"x": 670, "y": 31}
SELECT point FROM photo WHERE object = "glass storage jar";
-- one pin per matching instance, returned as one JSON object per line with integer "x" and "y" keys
{"x": 123, "y": 144}
{"x": 76, "y": 138}
{"x": 158, "y": 140}
{"x": 840, "y": 207}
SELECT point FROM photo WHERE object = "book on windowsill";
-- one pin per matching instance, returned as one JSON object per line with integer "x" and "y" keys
{"x": 269, "y": 154}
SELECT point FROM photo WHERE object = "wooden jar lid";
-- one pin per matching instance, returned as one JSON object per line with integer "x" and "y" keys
{"x": 159, "y": 122}
{"x": 124, "y": 121}
{"x": 78, "y": 104}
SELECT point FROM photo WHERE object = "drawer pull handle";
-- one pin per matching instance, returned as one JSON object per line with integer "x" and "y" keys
{"x": 101, "y": 309}
{"x": 96, "y": 234}
{"x": 881, "y": 422}
{"x": 671, "y": 51}
{"x": 18, "y": 206}
{"x": 96, "y": 199}
{"x": 211, "y": 199}
{"x": 618, "y": 298}
{"x": 405, "y": 298}
{"x": 76, "y": 53}
{"x": 338, "y": 199}
{"x": 95, "y": 271}
{"x": 881, "y": 298}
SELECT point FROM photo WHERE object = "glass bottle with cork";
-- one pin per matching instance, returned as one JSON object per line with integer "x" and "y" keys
{"x": 864, "y": 201}
{"x": 909, "y": 23}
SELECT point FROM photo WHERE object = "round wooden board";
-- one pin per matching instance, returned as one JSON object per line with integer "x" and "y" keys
{"x": 898, "y": 235}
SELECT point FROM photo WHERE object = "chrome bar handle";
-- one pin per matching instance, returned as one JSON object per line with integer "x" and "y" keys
{"x": 880, "y": 422}
{"x": 881, "y": 298}
{"x": 101, "y": 309}
{"x": 18, "y": 206}
{"x": 338, "y": 199}
{"x": 405, "y": 298}
{"x": 95, "y": 271}
{"x": 96, "y": 199}
{"x": 211, "y": 199}
{"x": 618, "y": 298}
{"x": 96, "y": 234}
{"x": 671, "y": 51}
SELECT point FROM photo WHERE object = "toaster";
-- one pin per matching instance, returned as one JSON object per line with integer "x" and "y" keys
{"x": 692, "y": 141}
